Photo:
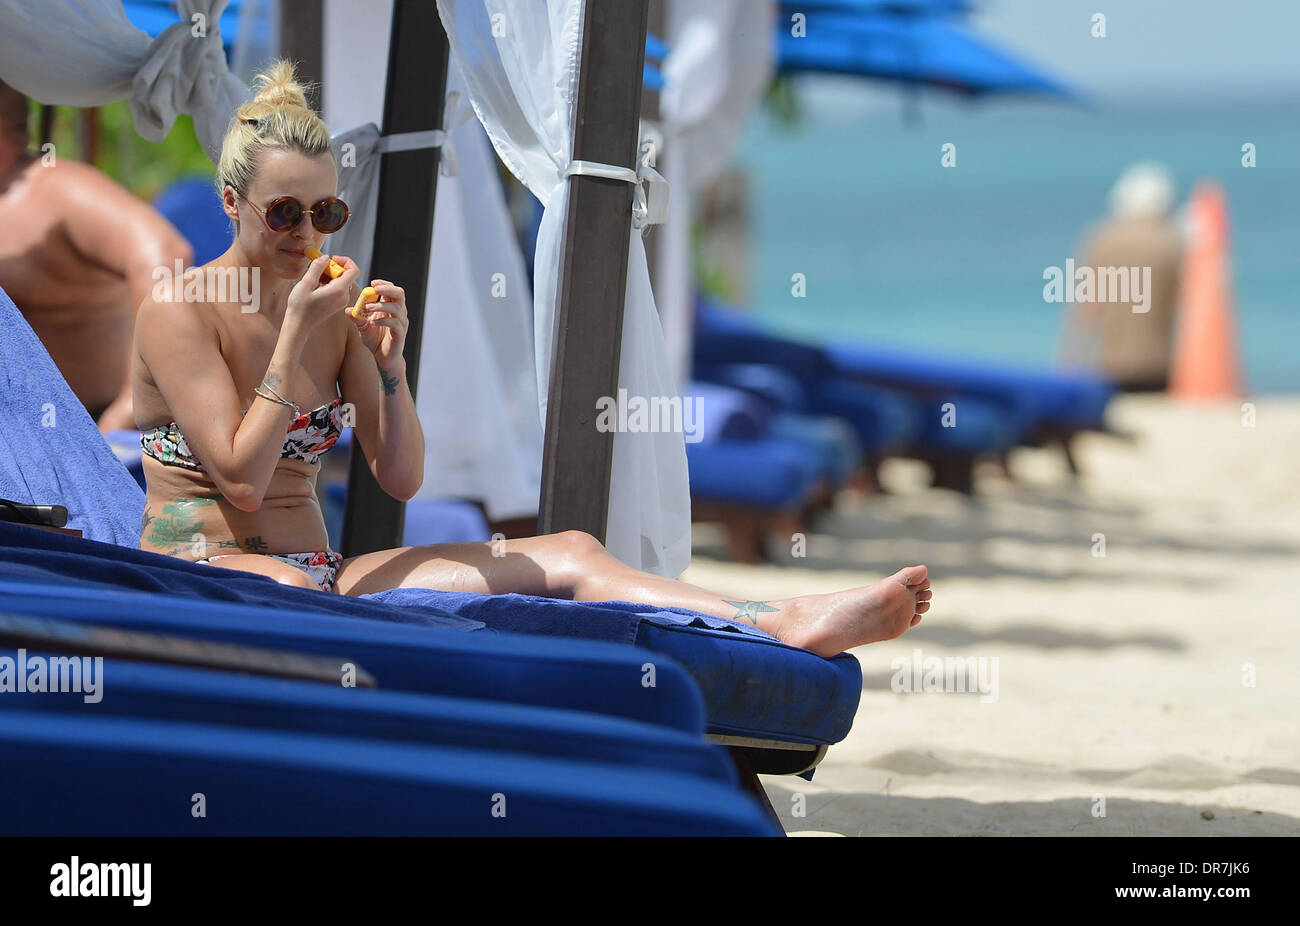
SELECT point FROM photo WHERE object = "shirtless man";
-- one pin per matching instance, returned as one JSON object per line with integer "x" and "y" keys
{"x": 77, "y": 256}
{"x": 1132, "y": 345}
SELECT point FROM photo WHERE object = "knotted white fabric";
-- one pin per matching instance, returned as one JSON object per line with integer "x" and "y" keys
{"x": 358, "y": 152}
{"x": 454, "y": 116}
{"x": 520, "y": 61}
{"x": 89, "y": 54}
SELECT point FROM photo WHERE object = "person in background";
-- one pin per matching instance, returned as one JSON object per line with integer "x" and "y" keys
{"x": 1133, "y": 349}
{"x": 77, "y": 256}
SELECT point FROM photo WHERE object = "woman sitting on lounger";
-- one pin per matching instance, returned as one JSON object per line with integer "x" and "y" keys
{"x": 218, "y": 383}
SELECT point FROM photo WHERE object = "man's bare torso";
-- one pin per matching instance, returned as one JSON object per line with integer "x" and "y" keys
{"x": 79, "y": 309}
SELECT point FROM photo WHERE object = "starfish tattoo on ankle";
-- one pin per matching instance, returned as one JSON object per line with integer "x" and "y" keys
{"x": 750, "y": 610}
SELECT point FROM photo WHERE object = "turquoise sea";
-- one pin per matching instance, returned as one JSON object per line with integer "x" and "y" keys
{"x": 899, "y": 250}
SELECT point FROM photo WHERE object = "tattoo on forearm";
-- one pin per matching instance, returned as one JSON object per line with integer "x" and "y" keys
{"x": 145, "y": 518}
{"x": 388, "y": 382}
{"x": 254, "y": 543}
{"x": 271, "y": 378}
{"x": 750, "y": 610}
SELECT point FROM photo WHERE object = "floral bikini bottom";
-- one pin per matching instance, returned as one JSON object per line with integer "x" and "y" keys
{"x": 322, "y": 566}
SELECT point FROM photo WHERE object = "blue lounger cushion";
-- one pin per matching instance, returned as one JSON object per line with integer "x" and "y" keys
{"x": 777, "y": 388}
{"x": 67, "y": 774}
{"x": 1063, "y": 398}
{"x": 575, "y": 675}
{"x": 1059, "y": 398}
{"x": 837, "y": 448}
{"x": 753, "y": 685}
{"x": 885, "y": 420}
{"x": 725, "y": 413}
{"x": 197, "y": 695}
{"x": 762, "y": 689}
{"x": 764, "y": 473}
{"x": 706, "y": 649}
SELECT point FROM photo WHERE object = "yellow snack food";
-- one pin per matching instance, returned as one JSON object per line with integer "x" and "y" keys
{"x": 367, "y": 295}
{"x": 335, "y": 269}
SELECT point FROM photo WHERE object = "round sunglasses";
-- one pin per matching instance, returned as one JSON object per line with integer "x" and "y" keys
{"x": 327, "y": 216}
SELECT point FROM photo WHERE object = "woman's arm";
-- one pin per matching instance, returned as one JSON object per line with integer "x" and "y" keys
{"x": 183, "y": 353}
{"x": 373, "y": 380}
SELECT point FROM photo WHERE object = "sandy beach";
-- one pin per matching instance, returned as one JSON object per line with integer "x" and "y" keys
{"x": 1152, "y": 690}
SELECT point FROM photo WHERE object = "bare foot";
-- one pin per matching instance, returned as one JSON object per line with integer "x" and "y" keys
{"x": 831, "y": 624}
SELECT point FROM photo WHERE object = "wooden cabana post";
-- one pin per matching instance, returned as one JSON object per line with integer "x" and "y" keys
{"x": 576, "y": 457}
{"x": 414, "y": 100}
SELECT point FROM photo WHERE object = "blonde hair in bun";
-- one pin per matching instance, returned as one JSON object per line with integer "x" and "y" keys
{"x": 278, "y": 117}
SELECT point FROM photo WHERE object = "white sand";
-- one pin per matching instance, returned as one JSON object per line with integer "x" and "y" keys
{"x": 1121, "y": 677}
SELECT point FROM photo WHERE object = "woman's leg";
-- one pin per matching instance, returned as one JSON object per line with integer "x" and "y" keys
{"x": 574, "y": 565}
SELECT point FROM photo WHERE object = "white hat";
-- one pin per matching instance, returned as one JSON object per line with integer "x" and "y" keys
{"x": 1145, "y": 189}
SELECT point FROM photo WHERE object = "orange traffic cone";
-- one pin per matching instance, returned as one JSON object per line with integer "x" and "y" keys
{"x": 1205, "y": 353}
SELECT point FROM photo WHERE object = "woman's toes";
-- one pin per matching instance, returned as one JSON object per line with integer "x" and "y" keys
{"x": 911, "y": 575}
{"x": 922, "y": 607}
{"x": 925, "y": 595}
{"x": 916, "y": 619}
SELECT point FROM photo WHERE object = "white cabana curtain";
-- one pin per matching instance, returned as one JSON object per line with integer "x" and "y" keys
{"x": 721, "y": 57}
{"x": 478, "y": 389}
{"x": 477, "y": 395}
{"x": 89, "y": 54}
{"x": 519, "y": 60}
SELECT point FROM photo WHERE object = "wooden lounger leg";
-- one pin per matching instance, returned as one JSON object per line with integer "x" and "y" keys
{"x": 953, "y": 471}
{"x": 749, "y": 781}
{"x": 1072, "y": 461}
{"x": 745, "y": 531}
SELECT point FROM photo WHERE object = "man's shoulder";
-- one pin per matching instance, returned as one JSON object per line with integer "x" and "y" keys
{"x": 74, "y": 183}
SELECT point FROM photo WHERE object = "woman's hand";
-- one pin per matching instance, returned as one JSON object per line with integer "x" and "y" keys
{"x": 311, "y": 301}
{"x": 383, "y": 324}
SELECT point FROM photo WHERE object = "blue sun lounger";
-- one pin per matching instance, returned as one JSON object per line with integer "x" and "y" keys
{"x": 52, "y": 454}
{"x": 185, "y": 693}
{"x": 499, "y": 737}
{"x": 110, "y": 775}
{"x": 758, "y": 471}
{"x": 964, "y": 409}
{"x": 745, "y": 678}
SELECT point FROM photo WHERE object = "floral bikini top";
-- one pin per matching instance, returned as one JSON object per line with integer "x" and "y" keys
{"x": 310, "y": 435}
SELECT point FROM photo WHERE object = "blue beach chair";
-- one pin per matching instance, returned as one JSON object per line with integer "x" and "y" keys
{"x": 962, "y": 410}
{"x": 748, "y": 475}
{"x": 192, "y": 206}
{"x": 78, "y": 773}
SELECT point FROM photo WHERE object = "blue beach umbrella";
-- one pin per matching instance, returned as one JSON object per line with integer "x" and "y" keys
{"x": 908, "y": 49}
{"x": 922, "y": 7}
